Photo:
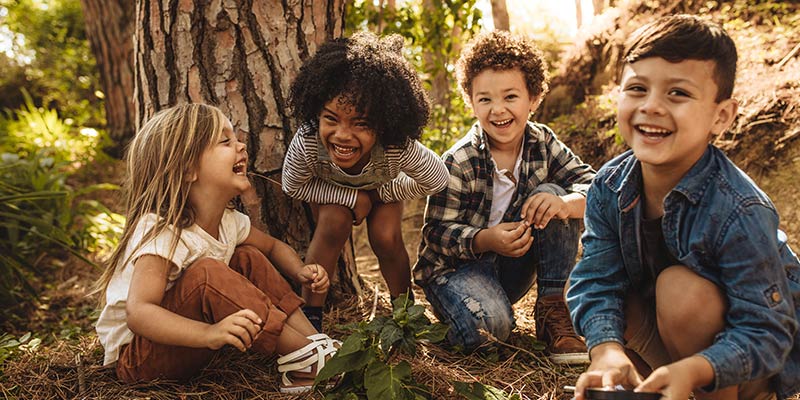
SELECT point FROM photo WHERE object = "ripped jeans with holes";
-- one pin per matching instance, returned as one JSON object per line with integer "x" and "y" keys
{"x": 476, "y": 298}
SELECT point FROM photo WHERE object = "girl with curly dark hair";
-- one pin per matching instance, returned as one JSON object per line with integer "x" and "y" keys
{"x": 361, "y": 108}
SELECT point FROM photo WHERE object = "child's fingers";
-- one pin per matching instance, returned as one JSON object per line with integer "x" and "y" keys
{"x": 540, "y": 219}
{"x": 526, "y": 245}
{"x": 532, "y": 204}
{"x": 249, "y": 314}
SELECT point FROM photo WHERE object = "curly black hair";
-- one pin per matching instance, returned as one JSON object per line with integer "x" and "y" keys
{"x": 370, "y": 74}
{"x": 502, "y": 51}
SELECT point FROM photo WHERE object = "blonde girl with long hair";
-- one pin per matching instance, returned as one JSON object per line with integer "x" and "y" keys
{"x": 190, "y": 274}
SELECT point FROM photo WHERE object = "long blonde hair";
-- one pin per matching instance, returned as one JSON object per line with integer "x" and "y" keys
{"x": 160, "y": 160}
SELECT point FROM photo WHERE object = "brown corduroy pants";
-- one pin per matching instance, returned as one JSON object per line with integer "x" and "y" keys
{"x": 209, "y": 291}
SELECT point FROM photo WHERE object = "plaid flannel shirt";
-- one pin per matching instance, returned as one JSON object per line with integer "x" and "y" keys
{"x": 455, "y": 215}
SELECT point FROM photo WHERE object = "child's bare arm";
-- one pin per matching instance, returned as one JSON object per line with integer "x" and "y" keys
{"x": 146, "y": 317}
{"x": 287, "y": 261}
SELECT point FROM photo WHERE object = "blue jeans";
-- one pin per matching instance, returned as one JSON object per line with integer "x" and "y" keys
{"x": 479, "y": 293}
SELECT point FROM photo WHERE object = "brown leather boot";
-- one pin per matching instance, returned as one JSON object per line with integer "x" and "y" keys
{"x": 554, "y": 327}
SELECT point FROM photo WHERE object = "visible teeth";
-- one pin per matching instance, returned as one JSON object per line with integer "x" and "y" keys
{"x": 652, "y": 130}
{"x": 239, "y": 168}
{"x": 503, "y": 122}
{"x": 345, "y": 151}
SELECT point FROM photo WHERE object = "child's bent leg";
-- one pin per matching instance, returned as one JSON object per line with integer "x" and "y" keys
{"x": 470, "y": 299}
{"x": 555, "y": 248}
{"x": 384, "y": 226}
{"x": 686, "y": 329}
{"x": 254, "y": 265}
{"x": 334, "y": 225}
{"x": 207, "y": 291}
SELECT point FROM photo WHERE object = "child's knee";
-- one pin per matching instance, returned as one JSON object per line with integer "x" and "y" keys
{"x": 482, "y": 317}
{"x": 334, "y": 221}
{"x": 205, "y": 271}
{"x": 679, "y": 291}
{"x": 385, "y": 241}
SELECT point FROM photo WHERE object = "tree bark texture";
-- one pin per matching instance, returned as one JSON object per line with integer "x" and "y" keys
{"x": 240, "y": 55}
{"x": 110, "y": 27}
{"x": 500, "y": 15}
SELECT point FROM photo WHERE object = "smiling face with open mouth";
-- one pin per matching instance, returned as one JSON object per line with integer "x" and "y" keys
{"x": 501, "y": 102}
{"x": 222, "y": 170}
{"x": 668, "y": 111}
{"x": 346, "y": 136}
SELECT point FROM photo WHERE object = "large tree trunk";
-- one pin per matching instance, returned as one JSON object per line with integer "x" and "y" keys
{"x": 241, "y": 56}
{"x": 109, "y": 27}
{"x": 500, "y": 15}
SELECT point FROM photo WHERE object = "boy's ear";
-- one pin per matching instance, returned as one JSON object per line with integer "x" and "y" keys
{"x": 725, "y": 115}
{"x": 535, "y": 102}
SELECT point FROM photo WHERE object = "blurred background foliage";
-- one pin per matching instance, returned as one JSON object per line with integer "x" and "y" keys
{"x": 51, "y": 130}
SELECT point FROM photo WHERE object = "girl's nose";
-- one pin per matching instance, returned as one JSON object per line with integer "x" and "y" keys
{"x": 344, "y": 132}
{"x": 496, "y": 109}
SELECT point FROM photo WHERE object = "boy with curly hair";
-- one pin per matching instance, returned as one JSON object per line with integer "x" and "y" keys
{"x": 361, "y": 108}
{"x": 684, "y": 270}
{"x": 511, "y": 211}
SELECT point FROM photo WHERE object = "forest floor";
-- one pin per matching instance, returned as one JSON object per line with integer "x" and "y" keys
{"x": 68, "y": 362}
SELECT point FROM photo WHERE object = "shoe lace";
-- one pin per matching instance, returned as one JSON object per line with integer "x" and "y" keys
{"x": 556, "y": 319}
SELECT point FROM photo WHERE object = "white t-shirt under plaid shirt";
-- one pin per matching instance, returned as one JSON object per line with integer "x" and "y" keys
{"x": 455, "y": 215}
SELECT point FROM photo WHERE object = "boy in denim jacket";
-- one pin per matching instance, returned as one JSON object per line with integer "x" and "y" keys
{"x": 510, "y": 213}
{"x": 684, "y": 271}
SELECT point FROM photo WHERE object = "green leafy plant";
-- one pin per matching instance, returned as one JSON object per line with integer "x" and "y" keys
{"x": 9, "y": 345}
{"x": 365, "y": 361}
{"x": 40, "y": 213}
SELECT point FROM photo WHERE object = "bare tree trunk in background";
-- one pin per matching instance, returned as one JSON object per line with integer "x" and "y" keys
{"x": 500, "y": 15}
{"x": 109, "y": 27}
{"x": 599, "y": 6}
{"x": 578, "y": 13}
{"x": 240, "y": 55}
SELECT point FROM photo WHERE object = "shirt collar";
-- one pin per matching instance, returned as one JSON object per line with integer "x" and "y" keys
{"x": 626, "y": 179}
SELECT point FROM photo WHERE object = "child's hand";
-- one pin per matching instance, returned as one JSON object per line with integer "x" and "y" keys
{"x": 510, "y": 239}
{"x": 314, "y": 277}
{"x": 363, "y": 207}
{"x": 610, "y": 367}
{"x": 540, "y": 208}
{"x": 238, "y": 330}
{"x": 676, "y": 380}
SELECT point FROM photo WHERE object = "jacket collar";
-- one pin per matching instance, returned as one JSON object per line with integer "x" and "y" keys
{"x": 626, "y": 178}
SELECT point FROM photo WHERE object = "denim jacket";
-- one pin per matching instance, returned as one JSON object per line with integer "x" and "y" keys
{"x": 718, "y": 223}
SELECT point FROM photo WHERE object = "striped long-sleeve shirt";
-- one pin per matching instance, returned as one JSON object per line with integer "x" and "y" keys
{"x": 407, "y": 173}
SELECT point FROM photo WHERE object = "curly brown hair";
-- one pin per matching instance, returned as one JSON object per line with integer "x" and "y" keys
{"x": 370, "y": 74}
{"x": 501, "y": 51}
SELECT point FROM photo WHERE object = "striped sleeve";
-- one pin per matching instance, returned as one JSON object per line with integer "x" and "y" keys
{"x": 423, "y": 173}
{"x": 299, "y": 181}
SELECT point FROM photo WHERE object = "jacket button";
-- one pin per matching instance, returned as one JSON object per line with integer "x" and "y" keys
{"x": 776, "y": 297}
